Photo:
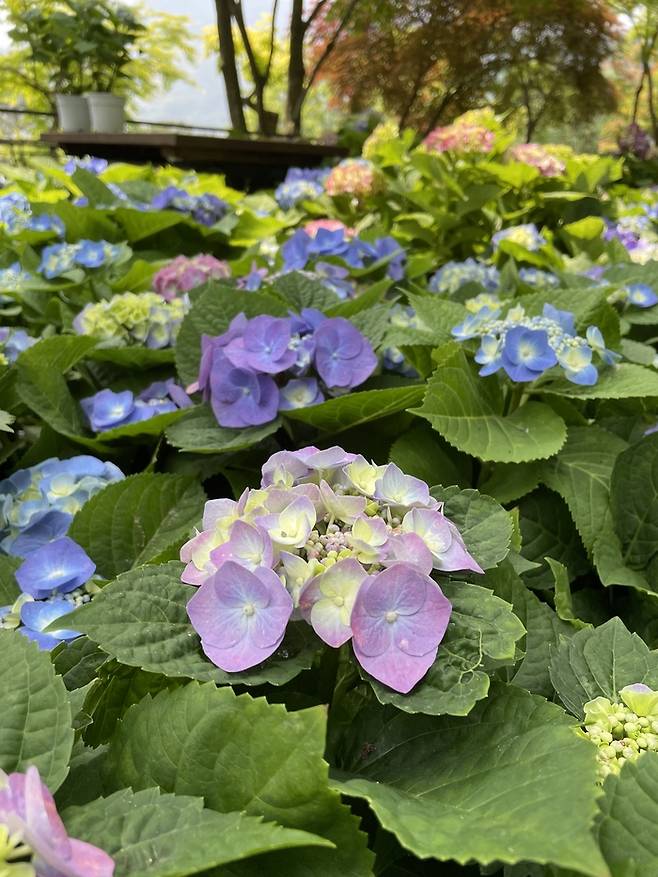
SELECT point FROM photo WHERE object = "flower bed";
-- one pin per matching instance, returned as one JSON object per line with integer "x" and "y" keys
{"x": 329, "y": 516}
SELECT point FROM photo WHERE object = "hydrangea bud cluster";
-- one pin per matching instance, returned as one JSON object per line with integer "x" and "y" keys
{"x": 346, "y": 545}
{"x": 54, "y": 579}
{"x": 185, "y": 273}
{"x": 300, "y": 184}
{"x": 267, "y": 364}
{"x": 33, "y": 839}
{"x": 12, "y": 343}
{"x": 88, "y": 163}
{"x": 460, "y": 137}
{"x": 109, "y": 410}
{"x": 357, "y": 177}
{"x": 206, "y": 209}
{"x": 16, "y": 216}
{"x": 312, "y": 247}
{"x": 58, "y": 259}
{"x": 38, "y": 504}
{"x": 526, "y": 235}
{"x": 526, "y": 347}
{"x": 453, "y": 275}
{"x": 538, "y": 156}
{"x": 621, "y": 731}
{"x": 133, "y": 318}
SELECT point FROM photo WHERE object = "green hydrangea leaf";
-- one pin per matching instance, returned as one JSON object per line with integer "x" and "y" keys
{"x": 153, "y": 835}
{"x": 486, "y": 787}
{"x": 625, "y": 381}
{"x": 135, "y": 520}
{"x": 600, "y": 661}
{"x": 634, "y": 501}
{"x": 484, "y": 524}
{"x": 465, "y": 409}
{"x": 242, "y": 754}
{"x": 581, "y": 472}
{"x": 356, "y": 408}
{"x": 198, "y": 432}
{"x": 35, "y": 715}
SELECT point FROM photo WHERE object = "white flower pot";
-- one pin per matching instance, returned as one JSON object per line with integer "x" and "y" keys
{"x": 72, "y": 112}
{"x": 107, "y": 112}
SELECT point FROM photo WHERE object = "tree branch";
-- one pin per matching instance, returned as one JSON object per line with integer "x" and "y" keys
{"x": 332, "y": 43}
{"x": 272, "y": 41}
{"x": 319, "y": 6}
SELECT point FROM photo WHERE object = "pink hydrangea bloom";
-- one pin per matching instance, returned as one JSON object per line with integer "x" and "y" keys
{"x": 353, "y": 176}
{"x": 537, "y": 156}
{"x": 28, "y": 810}
{"x": 184, "y": 273}
{"x": 324, "y": 525}
{"x": 399, "y": 619}
{"x": 315, "y": 225}
{"x": 460, "y": 138}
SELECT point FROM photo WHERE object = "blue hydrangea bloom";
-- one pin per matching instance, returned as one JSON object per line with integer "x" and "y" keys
{"x": 641, "y": 295}
{"x": 37, "y": 504}
{"x": 453, "y": 275}
{"x": 538, "y": 278}
{"x": 109, "y": 410}
{"x": 526, "y": 353}
{"x": 55, "y": 568}
{"x": 36, "y": 616}
{"x": 13, "y": 342}
{"x": 291, "y": 192}
{"x": 88, "y": 163}
{"x": 47, "y": 222}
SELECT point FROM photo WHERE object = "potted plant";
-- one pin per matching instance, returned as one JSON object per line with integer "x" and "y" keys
{"x": 85, "y": 47}
{"x": 114, "y": 30}
{"x": 54, "y": 42}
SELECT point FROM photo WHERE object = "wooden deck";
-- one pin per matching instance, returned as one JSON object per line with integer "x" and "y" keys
{"x": 246, "y": 163}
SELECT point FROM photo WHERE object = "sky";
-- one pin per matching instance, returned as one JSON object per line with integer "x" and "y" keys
{"x": 205, "y": 101}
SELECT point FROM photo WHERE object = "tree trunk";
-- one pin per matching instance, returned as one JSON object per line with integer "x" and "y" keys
{"x": 296, "y": 69}
{"x": 228, "y": 65}
{"x": 652, "y": 109}
{"x": 636, "y": 99}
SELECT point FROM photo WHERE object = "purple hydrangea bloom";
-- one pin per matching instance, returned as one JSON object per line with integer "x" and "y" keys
{"x": 265, "y": 347}
{"x": 37, "y": 615}
{"x": 241, "y": 398}
{"x": 527, "y": 353}
{"x": 57, "y": 567}
{"x": 343, "y": 356}
{"x": 89, "y": 163}
{"x": 399, "y": 618}
{"x": 241, "y": 616}
{"x": 29, "y": 811}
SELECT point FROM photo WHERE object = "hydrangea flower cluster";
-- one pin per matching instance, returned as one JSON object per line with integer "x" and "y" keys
{"x": 12, "y": 279}
{"x": 634, "y": 140}
{"x": 460, "y": 137}
{"x": 641, "y": 295}
{"x": 16, "y": 216}
{"x": 311, "y": 246}
{"x": 621, "y": 731}
{"x": 315, "y": 225}
{"x": 453, "y": 275}
{"x": 538, "y": 156}
{"x": 300, "y": 184}
{"x": 206, "y": 209}
{"x": 12, "y": 343}
{"x": 543, "y": 280}
{"x": 526, "y": 347}
{"x": 54, "y": 579}
{"x": 635, "y": 233}
{"x": 33, "y": 839}
{"x": 88, "y": 163}
{"x": 382, "y": 133}
{"x": 357, "y": 177}
{"x": 346, "y": 545}
{"x": 57, "y": 259}
{"x": 109, "y": 410}
{"x": 263, "y": 365}
{"x": 185, "y": 273}
{"x": 526, "y": 235}
{"x": 133, "y": 318}
{"x": 38, "y": 504}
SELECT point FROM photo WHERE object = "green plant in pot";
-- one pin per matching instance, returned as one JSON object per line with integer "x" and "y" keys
{"x": 85, "y": 46}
